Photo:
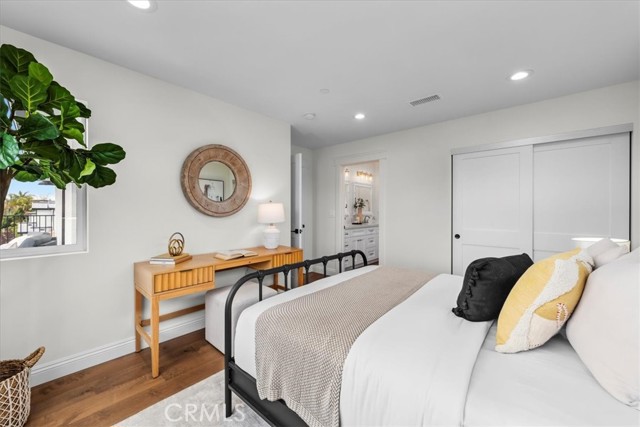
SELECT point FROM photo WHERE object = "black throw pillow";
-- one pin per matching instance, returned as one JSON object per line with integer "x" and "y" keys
{"x": 486, "y": 285}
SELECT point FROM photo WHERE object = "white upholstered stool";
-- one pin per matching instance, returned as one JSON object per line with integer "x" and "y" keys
{"x": 214, "y": 302}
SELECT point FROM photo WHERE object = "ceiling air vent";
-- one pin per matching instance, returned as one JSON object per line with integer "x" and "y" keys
{"x": 424, "y": 100}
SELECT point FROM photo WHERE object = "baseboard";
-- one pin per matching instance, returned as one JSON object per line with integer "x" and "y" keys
{"x": 45, "y": 372}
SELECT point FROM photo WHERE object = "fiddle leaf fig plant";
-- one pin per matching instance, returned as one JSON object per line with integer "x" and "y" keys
{"x": 38, "y": 119}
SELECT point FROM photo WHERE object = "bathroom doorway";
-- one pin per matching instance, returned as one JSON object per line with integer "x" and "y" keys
{"x": 360, "y": 211}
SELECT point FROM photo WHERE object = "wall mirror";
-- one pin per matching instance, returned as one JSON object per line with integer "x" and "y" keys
{"x": 216, "y": 180}
{"x": 364, "y": 192}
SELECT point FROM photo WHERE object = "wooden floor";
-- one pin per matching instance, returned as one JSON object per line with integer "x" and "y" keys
{"x": 110, "y": 392}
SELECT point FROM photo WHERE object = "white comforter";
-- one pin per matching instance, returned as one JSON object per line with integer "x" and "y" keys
{"x": 421, "y": 365}
{"x": 402, "y": 370}
{"x": 412, "y": 366}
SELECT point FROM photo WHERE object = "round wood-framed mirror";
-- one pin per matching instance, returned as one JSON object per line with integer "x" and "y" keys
{"x": 216, "y": 180}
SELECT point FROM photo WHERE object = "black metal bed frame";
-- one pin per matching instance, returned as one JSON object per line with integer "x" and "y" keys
{"x": 276, "y": 413}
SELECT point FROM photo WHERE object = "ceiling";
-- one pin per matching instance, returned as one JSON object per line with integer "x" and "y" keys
{"x": 374, "y": 57}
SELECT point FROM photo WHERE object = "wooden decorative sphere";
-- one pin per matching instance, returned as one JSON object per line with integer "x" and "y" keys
{"x": 176, "y": 244}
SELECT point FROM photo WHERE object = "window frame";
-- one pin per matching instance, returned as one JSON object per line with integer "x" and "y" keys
{"x": 82, "y": 225}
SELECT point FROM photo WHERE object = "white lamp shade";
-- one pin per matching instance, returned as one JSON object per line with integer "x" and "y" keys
{"x": 270, "y": 213}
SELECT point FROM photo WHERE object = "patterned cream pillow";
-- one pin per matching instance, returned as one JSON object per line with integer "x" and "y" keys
{"x": 542, "y": 301}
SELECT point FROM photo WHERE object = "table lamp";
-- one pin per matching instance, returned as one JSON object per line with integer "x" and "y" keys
{"x": 271, "y": 213}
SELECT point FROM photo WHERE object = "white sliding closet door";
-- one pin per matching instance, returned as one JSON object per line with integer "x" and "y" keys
{"x": 536, "y": 197}
{"x": 580, "y": 188}
{"x": 492, "y": 212}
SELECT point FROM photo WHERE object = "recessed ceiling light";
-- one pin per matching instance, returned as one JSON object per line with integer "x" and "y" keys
{"x": 309, "y": 116}
{"x": 519, "y": 75}
{"x": 147, "y": 5}
{"x": 324, "y": 91}
{"x": 359, "y": 116}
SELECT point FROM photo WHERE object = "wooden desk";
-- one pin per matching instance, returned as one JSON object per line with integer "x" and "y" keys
{"x": 161, "y": 282}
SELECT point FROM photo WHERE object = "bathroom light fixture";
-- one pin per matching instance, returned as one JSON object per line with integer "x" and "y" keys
{"x": 271, "y": 213}
{"x": 146, "y": 5}
{"x": 359, "y": 116}
{"x": 520, "y": 75}
{"x": 365, "y": 175}
{"x": 346, "y": 174}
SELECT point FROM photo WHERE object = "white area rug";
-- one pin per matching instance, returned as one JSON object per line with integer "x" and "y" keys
{"x": 202, "y": 404}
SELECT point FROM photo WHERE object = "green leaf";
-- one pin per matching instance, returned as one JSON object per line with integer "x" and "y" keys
{"x": 42, "y": 149}
{"x": 73, "y": 133}
{"x": 29, "y": 91}
{"x": 5, "y": 77}
{"x": 77, "y": 166}
{"x": 71, "y": 129}
{"x": 101, "y": 176}
{"x": 57, "y": 180}
{"x": 56, "y": 96}
{"x": 89, "y": 167}
{"x": 15, "y": 59}
{"x": 4, "y": 112}
{"x": 40, "y": 73}
{"x": 107, "y": 153}
{"x": 65, "y": 158}
{"x": 67, "y": 122}
{"x": 54, "y": 174}
{"x": 12, "y": 61}
{"x": 37, "y": 126}
{"x": 8, "y": 151}
{"x": 24, "y": 176}
{"x": 69, "y": 110}
{"x": 84, "y": 111}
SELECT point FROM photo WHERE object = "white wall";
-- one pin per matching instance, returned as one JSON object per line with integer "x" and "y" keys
{"x": 75, "y": 303}
{"x": 416, "y": 228}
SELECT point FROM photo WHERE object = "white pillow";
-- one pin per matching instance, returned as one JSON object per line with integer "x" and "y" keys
{"x": 604, "y": 251}
{"x": 600, "y": 247}
{"x": 604, "y": 329}
{"x": 609, "y": 255}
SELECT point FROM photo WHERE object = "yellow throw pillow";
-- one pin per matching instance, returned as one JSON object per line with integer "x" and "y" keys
{"x": 542, "y": 301}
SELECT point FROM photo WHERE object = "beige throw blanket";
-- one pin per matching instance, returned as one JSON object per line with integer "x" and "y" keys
{"x": 301, "y": 345}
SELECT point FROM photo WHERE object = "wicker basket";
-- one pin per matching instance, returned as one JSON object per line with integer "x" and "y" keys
{"x": 15, "y": 393}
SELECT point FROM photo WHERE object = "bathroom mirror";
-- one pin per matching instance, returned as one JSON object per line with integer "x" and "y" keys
{"x": 216, "y": 180}
{"x": 364, "y": 192}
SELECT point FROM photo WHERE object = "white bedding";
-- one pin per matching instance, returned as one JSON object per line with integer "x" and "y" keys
{"x": 412, "y": 366}
{"x": 416, "y": 365}
{"x": 546, "y": 386}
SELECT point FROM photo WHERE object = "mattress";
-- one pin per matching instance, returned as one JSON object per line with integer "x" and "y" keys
{"x": 421, "y": 365}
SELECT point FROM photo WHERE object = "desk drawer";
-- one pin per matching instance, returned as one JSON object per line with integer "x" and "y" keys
{"x": 290, "y": 258}
{"x": 182, "y": 279}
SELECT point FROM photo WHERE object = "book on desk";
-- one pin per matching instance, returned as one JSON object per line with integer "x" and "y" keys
{"x": 235, "y": 253}
{"x": 166, "y": 259}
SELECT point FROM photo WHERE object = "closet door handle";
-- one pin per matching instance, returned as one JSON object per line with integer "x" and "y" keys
{"x": 457, "y": 236}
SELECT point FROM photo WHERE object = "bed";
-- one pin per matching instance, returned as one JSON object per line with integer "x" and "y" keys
{"x": 419, "y": 364}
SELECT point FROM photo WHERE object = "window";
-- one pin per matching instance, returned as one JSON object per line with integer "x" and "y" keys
{"x": 40, "y": 219}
